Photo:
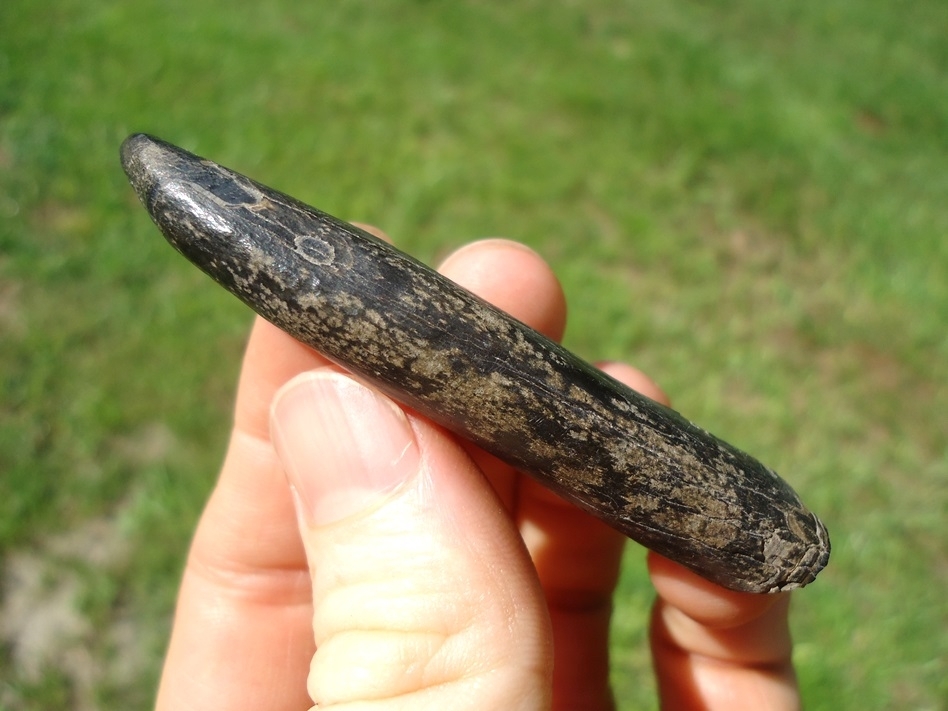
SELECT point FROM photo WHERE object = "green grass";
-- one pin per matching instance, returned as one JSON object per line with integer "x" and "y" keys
{"x": 748, "y": 199}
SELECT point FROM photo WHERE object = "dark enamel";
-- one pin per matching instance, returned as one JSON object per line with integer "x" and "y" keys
{"x": 432, "y": 345}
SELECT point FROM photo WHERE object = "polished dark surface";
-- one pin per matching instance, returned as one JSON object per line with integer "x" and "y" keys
{"x": 436, "y": 347}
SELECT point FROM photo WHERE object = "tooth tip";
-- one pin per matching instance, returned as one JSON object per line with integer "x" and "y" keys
{"x": 133, "y": 147}
{"x": 144, "y": 158}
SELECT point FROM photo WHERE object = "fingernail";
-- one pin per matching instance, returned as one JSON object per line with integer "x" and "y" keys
{"x": 343, "y": 446}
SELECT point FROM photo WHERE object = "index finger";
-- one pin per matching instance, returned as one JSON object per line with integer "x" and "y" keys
{"x": 241, "y": 636}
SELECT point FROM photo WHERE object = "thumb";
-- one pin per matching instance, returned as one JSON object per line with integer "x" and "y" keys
{"x": 423, "y": 593}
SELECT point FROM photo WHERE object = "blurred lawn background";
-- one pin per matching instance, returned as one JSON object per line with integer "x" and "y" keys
{"x": 747, "y": 199}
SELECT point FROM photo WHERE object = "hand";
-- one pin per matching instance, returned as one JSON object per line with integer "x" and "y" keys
{"x": 367, "y": 556}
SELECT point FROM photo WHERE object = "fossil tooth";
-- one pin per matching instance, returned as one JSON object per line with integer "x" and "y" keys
{"x": 437, "y": 348}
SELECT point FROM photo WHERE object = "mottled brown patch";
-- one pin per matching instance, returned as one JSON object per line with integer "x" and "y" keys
{"x": 12, "y": 315}
{"x": 61, "y": 218}
{"x": 42, "y": 622}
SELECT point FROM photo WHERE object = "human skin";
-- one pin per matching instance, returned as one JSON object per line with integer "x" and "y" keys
{"x": 436, "y": 578}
